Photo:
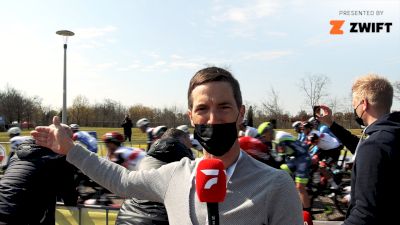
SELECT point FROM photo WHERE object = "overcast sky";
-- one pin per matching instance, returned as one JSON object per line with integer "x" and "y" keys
{"x": 146, "y": 51}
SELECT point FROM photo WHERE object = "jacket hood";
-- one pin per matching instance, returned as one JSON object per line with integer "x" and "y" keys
{"x": 389, "y": 122}
{"x": 30, "y": 151}
{"x": 169, "y": 150}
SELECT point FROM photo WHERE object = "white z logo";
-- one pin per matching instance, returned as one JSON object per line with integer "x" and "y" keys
{"x": 211, "y": 181}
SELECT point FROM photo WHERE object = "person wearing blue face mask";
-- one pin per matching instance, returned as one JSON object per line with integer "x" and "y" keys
{"x": 256, "y": 193}
{"x": 374, "y": 194}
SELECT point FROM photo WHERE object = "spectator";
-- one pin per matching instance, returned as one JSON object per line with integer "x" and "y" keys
{"x": 169, "y": 148}
{"x": 374, "y": 193}
{"x": 256, "y": 193}
{"x": 127, "y": 125}
{"x": 31, "y": 183}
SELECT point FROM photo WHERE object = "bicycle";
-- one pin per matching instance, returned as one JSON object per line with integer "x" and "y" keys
{"x": 319, "y": 189}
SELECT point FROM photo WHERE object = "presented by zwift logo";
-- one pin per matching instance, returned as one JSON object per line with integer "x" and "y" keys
{"x": 338, "y": 26}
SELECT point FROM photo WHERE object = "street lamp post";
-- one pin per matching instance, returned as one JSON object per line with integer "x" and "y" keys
{"x": 65, "y": 34}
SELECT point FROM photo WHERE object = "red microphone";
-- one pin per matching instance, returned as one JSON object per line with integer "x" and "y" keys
{"x": 307, "y": 218}
{"x": 211, "y": 186}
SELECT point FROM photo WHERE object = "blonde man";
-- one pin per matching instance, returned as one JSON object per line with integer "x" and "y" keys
{"x": 374, "y": 195}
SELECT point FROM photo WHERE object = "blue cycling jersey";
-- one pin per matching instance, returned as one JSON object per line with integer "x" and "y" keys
{"x": 88, "y": 140}
{"x": 299, "y": 161}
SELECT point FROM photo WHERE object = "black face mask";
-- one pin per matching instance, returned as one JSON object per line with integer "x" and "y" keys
{"x": 357, "y": 118}
{"x": 217, "y": 139}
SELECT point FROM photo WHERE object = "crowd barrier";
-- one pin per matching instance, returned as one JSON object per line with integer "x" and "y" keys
{"x": 85, "y": 215}
{"x": 103, "y": 215}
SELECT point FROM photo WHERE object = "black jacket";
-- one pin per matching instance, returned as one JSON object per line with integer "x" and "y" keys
{"x": 374, "y": 193}
{"x": 31, "y": 183}
{"x": 127, "y": 125}
{"x": 140, "y": 212}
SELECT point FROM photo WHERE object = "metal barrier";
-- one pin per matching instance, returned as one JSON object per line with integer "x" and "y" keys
{"x": 85, "y": 215}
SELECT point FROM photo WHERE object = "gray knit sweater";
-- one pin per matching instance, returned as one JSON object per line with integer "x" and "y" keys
{"x": 256, "y": 193}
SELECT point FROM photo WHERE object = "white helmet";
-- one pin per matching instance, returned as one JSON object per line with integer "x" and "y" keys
{"x": 14, "y": 131}
{"x": 296, "y": 124}
{"x": 159, "y": 131}
{"x": 251, "y": 132}
{"x": 142, "y": 122}
{"x": 282, "y": 136}
{"x": 74, "y": 127}
{"x": 183, "y": 128}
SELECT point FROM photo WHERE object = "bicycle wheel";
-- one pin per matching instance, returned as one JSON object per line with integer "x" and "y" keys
{"x": 341, "y": 198}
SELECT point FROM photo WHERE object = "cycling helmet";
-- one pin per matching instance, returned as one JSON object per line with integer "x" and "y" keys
{"x": 314, "y": 121}
{"x": 183, "y": 128}
{"x": 251, "y": 132}
{"x": 307, "y": 124}
{"x": 14, "y": 131}
{"x": 264, "y": 127}
{"x": 74, "y": 127}
{"x": 282, "y": 136}
{"x": 142, "y": 122}
{"x": 157, "y": 132}
{"x": 113, "y": 137}
{"x": 254, "y": 147}
{"x": 283, "y": 141}
{"x": 296, "y": 124}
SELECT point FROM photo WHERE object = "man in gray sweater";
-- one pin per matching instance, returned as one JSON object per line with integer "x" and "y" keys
{"x": 256, "y": 193}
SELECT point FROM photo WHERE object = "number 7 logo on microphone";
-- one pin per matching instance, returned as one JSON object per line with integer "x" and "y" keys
{"x": 211, "y": 181}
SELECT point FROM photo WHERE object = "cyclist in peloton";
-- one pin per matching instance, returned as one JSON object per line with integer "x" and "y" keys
{"x": 15, "y": 140}
{"x": 126, "y": 156}
{"x": 297, "y": 163}
{"x": 297, "y": 126}
{"x": 194, "y": 142}
{"x": 324, "y": 148}
{"x": 158, "y": 131}
{"x": 144, "y": 125}
{"x": 84, "y": 138}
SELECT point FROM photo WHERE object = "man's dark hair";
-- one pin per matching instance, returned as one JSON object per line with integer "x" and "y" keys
{"x": 212, "y": 74}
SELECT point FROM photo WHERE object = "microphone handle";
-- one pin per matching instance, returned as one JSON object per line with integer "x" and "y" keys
{"x": 213, "y": 213}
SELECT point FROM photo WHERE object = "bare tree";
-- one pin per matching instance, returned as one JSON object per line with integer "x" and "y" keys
{"x": 79, "y": 110}
{"x": 271, "y": 106}
{"x": 314, "y": 88}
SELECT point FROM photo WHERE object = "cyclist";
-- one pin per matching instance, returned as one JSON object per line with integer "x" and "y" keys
{"x": 297, "y": 163}
{"x": 116, "y": 152}
{"x": 2, "y": 154}
{"x": 328, "y": 150}
{"x": 144, "y": 125}
{"x": 158, "y": 131}
{"x": 84, "y": 138}
{"x": 15, "y": 140}
{"x": 266, "y": 133}
{"x": 255, "y": 148}
{"x": 297, "y": 126}
{"x": 322, "y": 128}
{"x": 194, "y": 142}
